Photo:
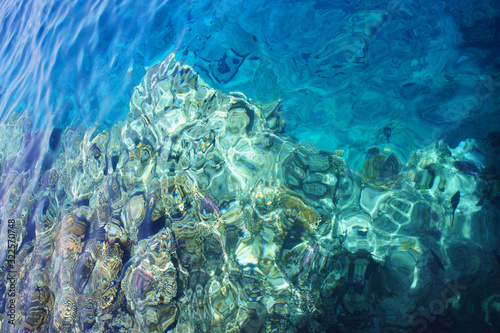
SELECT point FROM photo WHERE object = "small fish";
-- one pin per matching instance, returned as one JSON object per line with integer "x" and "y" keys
{"x": 455, "y": 199}
{"x": 437, "y": 260}
{"x": 497, "y": 256}
{"x": 387, "y": 132}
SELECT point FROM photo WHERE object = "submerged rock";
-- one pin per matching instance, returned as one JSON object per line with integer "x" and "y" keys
{"x": 247, "y": 229}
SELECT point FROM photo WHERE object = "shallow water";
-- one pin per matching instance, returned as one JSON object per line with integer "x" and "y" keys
{"x": 344, "y": 70}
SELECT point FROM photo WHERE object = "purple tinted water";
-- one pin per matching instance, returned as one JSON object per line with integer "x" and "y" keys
{"x": 68, "y": 62}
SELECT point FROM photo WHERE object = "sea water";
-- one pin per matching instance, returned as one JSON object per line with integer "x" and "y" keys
{"x": 345, "y": 70}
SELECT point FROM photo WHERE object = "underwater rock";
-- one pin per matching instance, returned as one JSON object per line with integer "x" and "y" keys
{"x": 94, "y": 154}
{"x": 38, "y": 309}
{"x": 133, "y": 214}
{"x": 399, "y": 269}
{"x": 82, "y": 271}
{"x": 150, "y": 283}
{"x": 381, "y": 171}
{"x": 208, "y": 206}
{"x": 467, "y": 167}
{"x": 222, "y": 300}
{"x": 243, "y": 229}
{"x": 390, "y": 167}
{"x": 65, "y": 312}
{"x": 138, "y": 166}
{"x": 359, "y": 235}
{"x": 296, "y": 210}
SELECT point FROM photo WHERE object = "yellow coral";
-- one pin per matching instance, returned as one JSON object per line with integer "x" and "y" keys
{"x": 295, "y": 209}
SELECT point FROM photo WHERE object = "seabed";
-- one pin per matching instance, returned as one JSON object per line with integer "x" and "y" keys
{"x": 199, "y": 214}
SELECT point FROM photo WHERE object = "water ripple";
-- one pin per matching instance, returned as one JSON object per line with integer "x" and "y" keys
{"x": 338, "y": 66}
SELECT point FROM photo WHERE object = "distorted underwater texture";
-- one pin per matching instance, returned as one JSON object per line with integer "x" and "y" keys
{"x": 250, "y": 166}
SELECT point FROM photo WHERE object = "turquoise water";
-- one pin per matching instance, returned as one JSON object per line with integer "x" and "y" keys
{"x": 343, "y": 69}
{"x": 342, "y": 210}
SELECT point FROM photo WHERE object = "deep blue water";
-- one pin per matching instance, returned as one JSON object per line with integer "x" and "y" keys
{"x": 344, "y": 69}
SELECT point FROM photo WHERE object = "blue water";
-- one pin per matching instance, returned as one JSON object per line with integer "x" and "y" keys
{"x": 68, "y": 62}
{"x": 344, "y": 69}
